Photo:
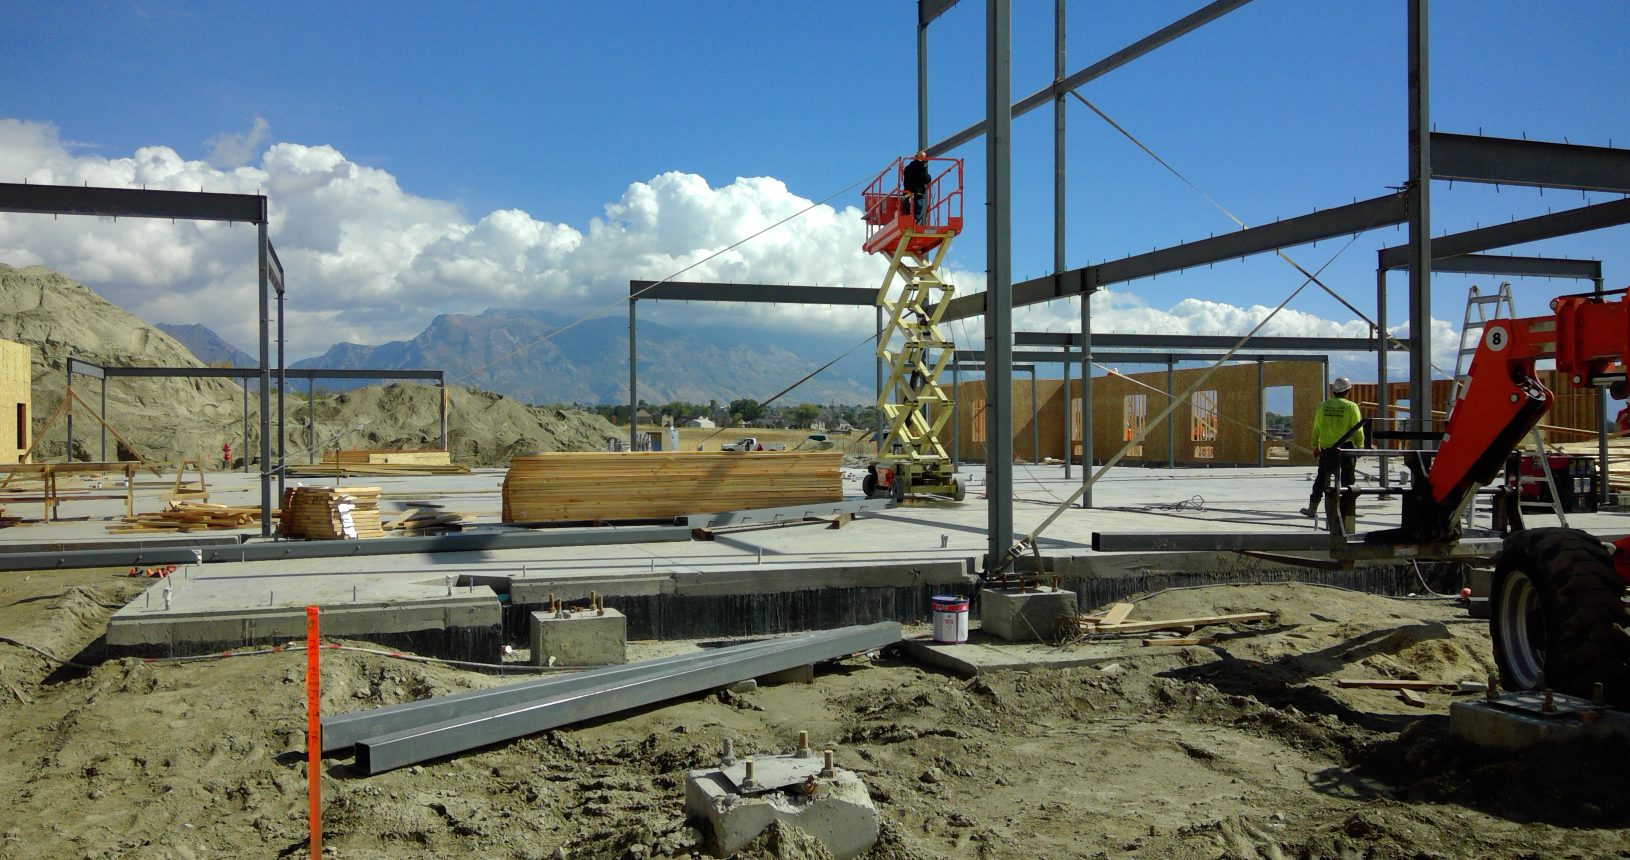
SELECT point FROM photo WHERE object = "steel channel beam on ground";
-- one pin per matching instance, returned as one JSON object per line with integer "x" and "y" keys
{"x": 791, "y": 513}
{"x": 341, "y": 733}
{"x": 1186, "y": 24}
{"x": 131, "y": 203}
{"x": 1507, "y": 161}
{"x": 624, "y": 691}
{"x": 281, "y": 550}
{"x": 1568, "y": 222}
{"x": 777, "y": 294}
{"x": 1330, "y": 223}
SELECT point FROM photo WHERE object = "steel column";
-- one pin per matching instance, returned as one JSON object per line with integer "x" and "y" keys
{"x": 1088, "y": 443}
{"x": 999, "y": 273}
{"x": 265, "y": 392}
{"x": 1261, "y": 417}
{"x": 68, "y": 400}
{"x": 922, "y": 82}
{"x": 877, "y": 367}
{"x": 1383, "y": 392}
{"x": 245, "y": 449}
{"x": 311, "y": 420}
{"x": 1064, "y": 413}
{"x": 956, "y": 415}
{"x": 633, "y": 377}
{"x": 442, "y": 389}
{"x": 1035, "y": 424}
{"x": 282, "y": 383}
{"x": 1171, "y": 419}
{"x": 1601, "y": 427}
{"x": 1420, "y": 220}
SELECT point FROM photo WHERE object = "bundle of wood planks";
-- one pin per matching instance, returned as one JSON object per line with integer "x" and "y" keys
{"x": 1618, "y": 459}
{"x": 330, "y": 513}
{"x": 604, "y": 486}
{"x": 185, "y": 516}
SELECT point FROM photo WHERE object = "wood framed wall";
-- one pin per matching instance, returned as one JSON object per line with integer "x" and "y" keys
{"x": 1234, "y": 441}
{"x": 1574, "y": 406}
{"x": 16, "y": 380}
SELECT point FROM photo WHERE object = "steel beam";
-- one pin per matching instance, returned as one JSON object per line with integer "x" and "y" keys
{"x": 791, "y": 513}
{"x": 1329, "y": 223}
{"x": 131, "y": 203}
{"x": 281, "y": 550}
{"x": 622, "y": 691}
{"x": 1503, "y": 160}
{"x": 85, "y": 368}
{"x": 928, "y": 10}
{"x": 1549, "y": 226}
{"x": 1300, "y": 541}
{"x": 1514, "y": 265}
{"x": 970, "y": 356}
{"x": 341, "y": 733}
{"x": 1166, "y": 34}
{"x": 1179, "y": 342}
{"x": 775, "y": 294}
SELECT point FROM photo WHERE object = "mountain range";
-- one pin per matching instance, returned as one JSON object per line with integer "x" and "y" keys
{"x": 525, "y": 354}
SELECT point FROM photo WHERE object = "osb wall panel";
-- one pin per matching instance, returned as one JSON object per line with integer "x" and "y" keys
{"x": 15, "y": 403}
{"x": 1237, "y": 413}
{"x": 1573, "y": 406}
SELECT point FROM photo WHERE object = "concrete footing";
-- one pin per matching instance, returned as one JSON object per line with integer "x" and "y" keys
{"x": 1516, "y": 721}
{"x": 579, "y": 639}
{"x": 738, "y": 799}
{"x": 1026, "y": 615}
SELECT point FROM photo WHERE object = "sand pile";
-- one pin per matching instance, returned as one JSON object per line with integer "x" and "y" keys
{"x": 167, "y": 419}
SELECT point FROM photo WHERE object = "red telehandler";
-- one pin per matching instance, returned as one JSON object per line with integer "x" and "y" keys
{"x": 1557, "y": 612}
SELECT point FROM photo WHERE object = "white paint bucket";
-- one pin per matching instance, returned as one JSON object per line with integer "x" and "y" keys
{"x": 950, "y": 618}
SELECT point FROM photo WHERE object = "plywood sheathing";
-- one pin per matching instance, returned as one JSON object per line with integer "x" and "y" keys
{"x": 16, "y": 404}
{"x": 1237, "y": 407}
{"x": 1574, "y": 406}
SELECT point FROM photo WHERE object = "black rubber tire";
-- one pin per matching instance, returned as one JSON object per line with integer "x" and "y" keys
{"x": 868, "y": 485}
{"x": 959, "y": 489}
{"x": 898, "y": 489}
{"x": 1557, "y": 599}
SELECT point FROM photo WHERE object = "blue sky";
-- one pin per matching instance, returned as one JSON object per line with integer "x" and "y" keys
{"x": 555, "y": 109}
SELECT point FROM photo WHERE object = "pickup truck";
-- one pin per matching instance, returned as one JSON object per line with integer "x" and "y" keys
{"x": 751, "y": 443}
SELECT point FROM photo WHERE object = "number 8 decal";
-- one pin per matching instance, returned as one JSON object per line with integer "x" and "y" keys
{"x": 1495, "y": 340}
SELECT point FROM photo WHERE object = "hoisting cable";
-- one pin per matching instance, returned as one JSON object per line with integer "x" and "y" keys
{"x": 1279, "y": 252}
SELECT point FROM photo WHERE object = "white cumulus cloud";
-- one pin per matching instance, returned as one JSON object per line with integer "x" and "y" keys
{"x": 235, "y": 150}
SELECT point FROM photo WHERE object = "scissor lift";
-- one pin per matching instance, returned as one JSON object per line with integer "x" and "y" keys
{"x": 911, "y": 461}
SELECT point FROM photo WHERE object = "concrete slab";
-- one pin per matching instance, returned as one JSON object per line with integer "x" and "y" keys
{"x": 1025, "y": 615}
{"x": 983, "y": 653}
{"x": 1503, "y": 726}
{"x": 580, "y": 638}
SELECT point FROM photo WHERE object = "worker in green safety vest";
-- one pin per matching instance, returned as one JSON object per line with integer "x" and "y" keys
{"x": 1331, "y": 421}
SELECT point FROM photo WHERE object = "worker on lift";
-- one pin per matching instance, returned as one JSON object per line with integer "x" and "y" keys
{"x": 1331, "y": 420}
{"x": 914, "y": 181}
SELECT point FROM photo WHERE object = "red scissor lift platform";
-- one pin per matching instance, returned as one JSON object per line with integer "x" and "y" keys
{"x": 888, "y": 217}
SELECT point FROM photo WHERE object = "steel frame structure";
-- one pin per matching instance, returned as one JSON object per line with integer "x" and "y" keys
{"x": 192, "y": 206}
{"x": 82, "y": 367}
{"x": 1431, "y": 155}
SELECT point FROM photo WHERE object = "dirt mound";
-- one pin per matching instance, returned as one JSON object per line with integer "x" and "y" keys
{"x": 167, "y": 419}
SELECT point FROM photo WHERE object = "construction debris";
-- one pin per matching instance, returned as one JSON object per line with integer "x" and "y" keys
{"x": 183, "y": 516}
{"x": 426, "y": 522}
{"x": 330, "y": 513}
{"x": 592, "y": 487}
{"x": 1394, "y": 684}
{"x": 1112, "y": 621}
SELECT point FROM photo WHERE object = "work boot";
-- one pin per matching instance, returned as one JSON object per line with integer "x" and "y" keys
{"x": 1309, "y": 512}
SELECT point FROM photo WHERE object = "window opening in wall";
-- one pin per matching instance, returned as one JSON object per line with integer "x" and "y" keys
{"x": 1203, "y": 423}
{"x": 1279, "y": 422}
{"x": 1134, "y": 418}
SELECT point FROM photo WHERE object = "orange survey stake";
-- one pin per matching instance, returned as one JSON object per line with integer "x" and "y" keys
{"x": 314, "y": 731}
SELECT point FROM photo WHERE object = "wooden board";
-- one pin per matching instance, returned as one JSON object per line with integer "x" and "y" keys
{"x": 660, "y": 484}
{"x": 1116, "y": 613}
{"x": 362, "y": 457}
{"x": 314, "y": 513}
{"x": 1175, "y": 623}
{"x": 1392, "y": 684}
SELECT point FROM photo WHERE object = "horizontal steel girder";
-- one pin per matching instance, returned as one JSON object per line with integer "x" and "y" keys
{"x": 776, "y": 294}
{"x": 1115, "y": 357}
{"x": 1503, "y": 160}
{"x": 1302, "y": 541}
{"x": 1186, "y": 24}
{"x": 1329, "y": 223}
{"x": 131, "y": 203}
{"x": 284, "y": 549}
{"x": 1517, "y": 266}
{"x": 928, "y": 10}
{"x": 1550, "y": 226}
{"x": 1196, "y": 341}
{"x": 621, "y": 690}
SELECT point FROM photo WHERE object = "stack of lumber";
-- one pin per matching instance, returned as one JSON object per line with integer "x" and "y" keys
{"x": 379, "y": 463}
{"x": 330, "y": 513}
{"x": 426, "y": 522}
{"x": 1618, "y": 459}
{"x": 183, "y": 516}
{"x": 1115, "y": 620}
{"x": 660, "y": 484}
